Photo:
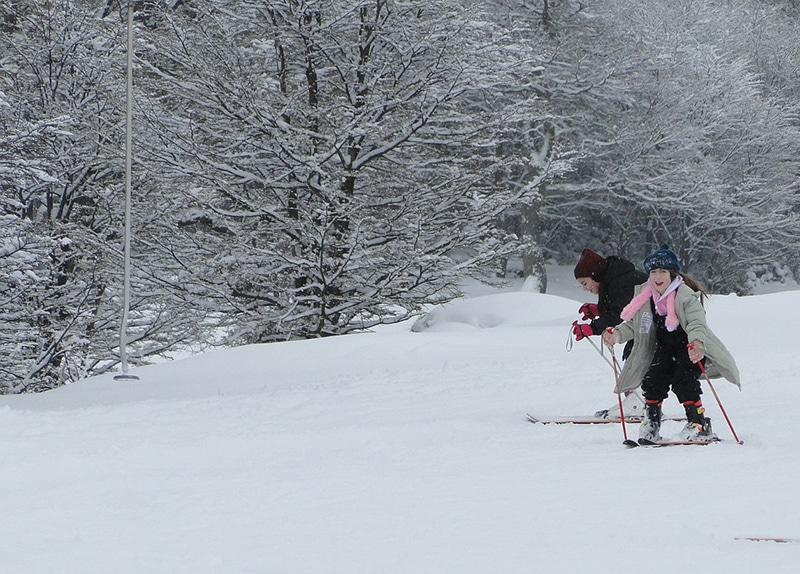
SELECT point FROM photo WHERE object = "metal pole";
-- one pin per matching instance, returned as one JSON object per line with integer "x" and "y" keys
{"x": 123, "y": 354}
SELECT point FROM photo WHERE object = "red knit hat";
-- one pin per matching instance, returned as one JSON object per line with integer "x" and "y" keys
{"x": 590, "y": 264}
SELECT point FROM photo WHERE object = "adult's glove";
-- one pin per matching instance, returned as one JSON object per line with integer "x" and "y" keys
{"x": 590, "y": 311}
{"x": 581, "y": 330}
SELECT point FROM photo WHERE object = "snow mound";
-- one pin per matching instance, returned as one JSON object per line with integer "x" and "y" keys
{"x": 518, "y": 309}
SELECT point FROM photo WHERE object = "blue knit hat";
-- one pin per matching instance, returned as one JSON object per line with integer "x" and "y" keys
{"x": 664, "y": 258}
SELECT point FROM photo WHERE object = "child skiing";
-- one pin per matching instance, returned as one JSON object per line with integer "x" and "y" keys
{"x": 667, "y": 323}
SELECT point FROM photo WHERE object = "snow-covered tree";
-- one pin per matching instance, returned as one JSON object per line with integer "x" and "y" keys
{"x": 337, "y": 159}
{"x": 61, "y": 178}
{"x": 45, "y": 308}
{"x": 682, "y": 143}
{"x": 305, "y": 168}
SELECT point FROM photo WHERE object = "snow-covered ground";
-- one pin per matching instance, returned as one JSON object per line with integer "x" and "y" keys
{"x": 406, "y": 452}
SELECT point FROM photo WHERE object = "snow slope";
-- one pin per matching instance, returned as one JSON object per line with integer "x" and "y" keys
{"x": 405, "y": 452}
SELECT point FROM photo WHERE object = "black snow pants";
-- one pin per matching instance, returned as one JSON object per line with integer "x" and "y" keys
{"x": 671, "y": 366}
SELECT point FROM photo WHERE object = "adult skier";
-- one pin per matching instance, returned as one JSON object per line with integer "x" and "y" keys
{"x": 613, "y": 280}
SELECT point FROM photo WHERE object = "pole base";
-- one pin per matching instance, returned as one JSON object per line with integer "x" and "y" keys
{"x": 126, "y": 377}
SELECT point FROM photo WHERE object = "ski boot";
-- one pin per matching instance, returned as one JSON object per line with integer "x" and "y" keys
{"x": 650, "y": 429}
{"x": 698, "y": 426}
{"x": 632, "y": 405}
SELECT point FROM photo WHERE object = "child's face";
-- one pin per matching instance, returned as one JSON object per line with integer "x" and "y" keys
{"x": 589, "y": 285}
{"x": 660, "y": 279}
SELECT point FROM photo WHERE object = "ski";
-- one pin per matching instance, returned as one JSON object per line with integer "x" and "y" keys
{"x": 779, "y": 539}
{"x": 668, "y": 442}
{"x": 590, "y": 420}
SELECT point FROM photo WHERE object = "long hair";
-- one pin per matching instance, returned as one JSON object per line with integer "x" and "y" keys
{"x": 692, "y": 283}
{"x": 602, "y": 295}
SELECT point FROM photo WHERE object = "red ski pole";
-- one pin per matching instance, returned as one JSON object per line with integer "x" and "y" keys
{"x": 619, "y": 393}
{"x": 619, "y": 398}
{"x": 719, "y": 402}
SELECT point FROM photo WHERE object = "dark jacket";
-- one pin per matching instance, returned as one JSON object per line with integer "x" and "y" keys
{"x": 617, "y": 283}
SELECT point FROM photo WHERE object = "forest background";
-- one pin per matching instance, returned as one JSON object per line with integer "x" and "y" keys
{"x": 305, "y": 168}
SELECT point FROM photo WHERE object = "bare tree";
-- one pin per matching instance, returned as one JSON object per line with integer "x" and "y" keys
{"x": 342, "y": 160}
{"x": 681, "y": 141}
{"x": 61, "y": 166}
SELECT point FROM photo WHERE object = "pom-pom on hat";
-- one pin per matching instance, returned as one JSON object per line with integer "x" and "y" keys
{"x": 590, "y": 264}
{"x": 663, "y": 258}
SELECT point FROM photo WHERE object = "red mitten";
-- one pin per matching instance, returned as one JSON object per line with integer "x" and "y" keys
{"x": 581, "y": 330}
{"x": 589, "y": 311}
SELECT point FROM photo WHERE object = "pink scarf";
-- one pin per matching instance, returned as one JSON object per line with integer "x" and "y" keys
{"x": 665, "y": 304}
